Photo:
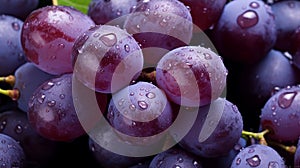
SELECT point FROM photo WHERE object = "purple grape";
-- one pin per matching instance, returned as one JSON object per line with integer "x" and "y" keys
{"x": 159, "y": 26}
{"x": 112, "y": 12}
{"x": 38, "y": 150}
{"x": 140, "y": 110}
{"x": 287, "y": 21}
{"x": 218, "y": 127}
{"x": 205, "y": 13}
{"x": 281, "y": 114}
{"x": 48, "y": 35}
{"x": 106, "y": 58}
{"x": 258, "y": 156}
{"x": 18, "y": 8}
{"x": 11, "y": 153}
{"x": 28, "y": 78}
{"x": 191, "y": 75}
{"x": 11, "y": 52}
{"x": 295, "y": 48}
{"x": 245, "y": 32}
{"x": 175, "y": 158}
{"x": 51, "y": 110}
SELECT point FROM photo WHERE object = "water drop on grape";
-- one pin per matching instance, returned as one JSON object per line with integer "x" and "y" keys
{"x": 109, "y": 39}
{"x": 176, "y": 166}
{"x": 51, "y": 103}
{"x": 286, "y": 99}
{"x": 238, "y": 161}
{"x": 207, "y": 56}
{"x": 254, "y": 5}
{"x": 15, "y": 26}
{"x": 180, "y": 159}
{"x": 18, "y": 129}
{"x": 247, "y": 19}
{"x": 143, "y": 105}
{"x": 254, "y": 161}
{"x": 3, "y": 125}
{"x": 150, "y": 95}
{"x": 41, "y": 98}
{"x": 273, "y": 165}
{"x": 48, "y": 86}
{"x": 127, "y": 48}
{"x": 132, "y": 107}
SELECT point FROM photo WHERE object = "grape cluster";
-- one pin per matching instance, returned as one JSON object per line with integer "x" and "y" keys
{"x": 150, "y": 84}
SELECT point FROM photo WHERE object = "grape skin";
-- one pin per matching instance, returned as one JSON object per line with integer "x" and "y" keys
{"x": 48, "y": 35}
{"x": 18, "y": 8}
{"x": 106, "y": 58}
{"x": 191, "y": 76}
{"x": 257, "y": 155}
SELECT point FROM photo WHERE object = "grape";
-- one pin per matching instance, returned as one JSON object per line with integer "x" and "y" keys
{"x": 48, "y": 35}
{"x": 38, "y": 150}
{"x": 112, "y": 12}
{"x": 175, "y": 157}
{"x": 28, "y": 78}
{"x": 140, "y": 110}
{"x": 287, "y": 21}
{"x": 159, "y": 26}
{"x": 109, "y": 159}
{"x": 191, "y": 75}
{"x": 257, "y": 155}
{"x": 295, "y": 48}
{"x": 51, "y": 110}
{"x": 11, "y": 153}
{"x": 274, "y": 71}
{"x": 18, "y": 8}
{"x": 281, "y": 113}
{"x": 245, "y": 32}
{"x": 205, "y": 13}
{"x": 106, "y": 58}
{"x": 11, "y": 52}
{"x": 217, "y": 129}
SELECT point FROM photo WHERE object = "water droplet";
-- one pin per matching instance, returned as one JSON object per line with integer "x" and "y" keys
{"x": 150, "y": 95}
{"x": 3, "y": 125}
{"x": 254, "y": 5}
{"x": 207, "y": 56}
{"x": 132, "y": 107}
{"x": 286, "y": 99}
{"x": 235, "y": 108}
{"x": 109, "y": 39}
{"x": 254, "y": 161}
{"x": 131, "y": 93}
{"x": 273, "y": 165}
{"x": 15, "y": 26}
{"x": 247, "y": 19}
{"x": 176, "y": 166}
{"x": 62, "y": 96}
{"x": 51, "y": 103}
{"x": 133, "y": 123}
{"x": 180, "y": 159}
{"x": 126, "y": 47}
{"x": 41, "y": 98}
{"x": 120, "y": 103}
{"x": 18, "y": 129}
{"x": 196, "y": 164}
{"x": 48, "y": 86}
{"x": 61, "y": 45}
{"x": 143, "y": 105}
{"x": 238, "y": 161}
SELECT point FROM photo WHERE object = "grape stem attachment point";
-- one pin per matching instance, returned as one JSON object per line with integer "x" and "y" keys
{"x": 13, "y": 94}
{"x": 8, "y": 79}
{"x": 258, "y": 136}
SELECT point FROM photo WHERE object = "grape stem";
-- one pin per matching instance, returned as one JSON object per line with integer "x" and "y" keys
{"x": 54, "y": 2}
{"x": 291, "y": 149}
{"x": 8, "y": 79}
{"x": 13, "y": 94}
{"x": 258, "y": 136}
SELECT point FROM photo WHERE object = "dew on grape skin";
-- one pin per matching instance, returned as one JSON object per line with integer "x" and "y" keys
{"x": 254, "y": 161}
{"x": 247, "y": 19}
{"x": 286, "y": 99}
{"x": 109, "y": 39}
{"x": 254, "y": 5}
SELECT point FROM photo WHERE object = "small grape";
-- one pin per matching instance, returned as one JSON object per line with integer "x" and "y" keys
{"x": 258, "y": 156}
{"x": 191, "y": 75}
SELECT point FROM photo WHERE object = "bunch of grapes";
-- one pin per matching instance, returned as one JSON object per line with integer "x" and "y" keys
{"x": 150, "y": 84}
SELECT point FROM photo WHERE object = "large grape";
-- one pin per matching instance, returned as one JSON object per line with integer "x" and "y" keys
{"x": 28, "y": 78}
{"x": 112, "y": 12}
{"x": 205, "y": 13}
{"x": 107, "y": 58}
{"x": 287, "y": 21}
{"x": 258, "y": 156}
{"x": 18, "y": 8}
{"x": 48, "y": 35}
{"x": 11, "y": 52}
{"x": 245, "y": 32}
{"x": 159, "y": 26}
{"x": 218, "y": 127}
{"x": 175, "y": 157}
{"x": 140, "y": 110}
{"x": 191, "y": 75}
{"x": 281, "y": 114}
{"x": 51, "y": 110}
